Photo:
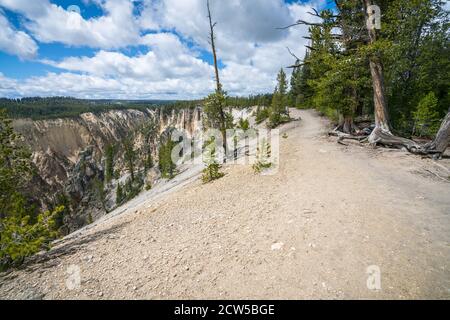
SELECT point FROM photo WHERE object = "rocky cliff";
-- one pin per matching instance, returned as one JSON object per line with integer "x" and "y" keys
{"x": 69, "y": 153}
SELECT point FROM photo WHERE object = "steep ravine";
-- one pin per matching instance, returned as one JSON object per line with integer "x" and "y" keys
{"x": 69, "y": 152}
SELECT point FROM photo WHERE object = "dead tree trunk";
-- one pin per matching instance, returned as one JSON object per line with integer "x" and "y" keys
{"x": 442, "y": 140}
{"x": 222, "y": 115}
{"x": 347, "y": 125}
{"x": 213, "y": 46}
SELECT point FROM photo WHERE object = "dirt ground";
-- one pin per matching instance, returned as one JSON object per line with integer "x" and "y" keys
{"x": 319, "y": 228}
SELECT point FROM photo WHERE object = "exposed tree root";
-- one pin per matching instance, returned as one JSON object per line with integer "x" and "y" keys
{"x": 438, "y": 146}
{"x": 387, "y": 139}
{"x": 384, "y": 137}
{"x": 346, "y": 136}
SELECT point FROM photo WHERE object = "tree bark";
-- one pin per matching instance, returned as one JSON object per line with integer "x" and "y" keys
{"x": 379, "y": 91}
{"x": 223, "y": 119}
{"x": 347, "y": 125}
{"x": 442, "y": 140}
{"x": 213, "y": 45}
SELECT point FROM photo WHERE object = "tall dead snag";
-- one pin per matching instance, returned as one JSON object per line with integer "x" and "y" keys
{"x": 213, "y": 46}
{"x": 219, "y": 92}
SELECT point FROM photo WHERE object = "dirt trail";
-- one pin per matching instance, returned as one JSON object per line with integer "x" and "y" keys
{"x": 310, "y": 231}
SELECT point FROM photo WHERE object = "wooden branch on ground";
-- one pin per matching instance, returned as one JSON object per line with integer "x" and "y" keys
{"x": 346, "y": 136}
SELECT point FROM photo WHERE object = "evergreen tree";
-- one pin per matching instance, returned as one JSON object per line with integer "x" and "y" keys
{"x": 109, "y": 162}
{"x": 166, "y": 164}
{"x": 129, "y": 156}
{"x": 212, "y": 170}
{"x": 23, "y": 230}
{"x": 148, "y": 164}
{"x": 263, "y": 155}
{"x": 119, "y": 194}
{"x": 279, "y": 112}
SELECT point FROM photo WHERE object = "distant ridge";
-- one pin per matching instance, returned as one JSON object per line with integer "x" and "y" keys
{"x": 38, "y": 108}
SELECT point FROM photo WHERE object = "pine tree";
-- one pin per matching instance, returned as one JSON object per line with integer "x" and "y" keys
{"x": 109, "y": 163}
{"x": 15, "y": 164}
{"x": 119, "y": 194}
{"x": 212, "y": 171}
{"x": 148, "y": 161}
{"x": 166, "y": 164}
{"x": 129, "y": 156}
{"x": 279, "y": 112}
{"x": 427, "y": 119}
{"x": 263, "y": 155}
{"x": 23, "y": 230}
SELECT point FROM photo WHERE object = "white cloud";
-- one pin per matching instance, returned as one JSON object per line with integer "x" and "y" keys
{"x": 95, "y": 87}
{"x": 49, "y": 23}
{"x": 16, "y": 42}
{"x": 249, "y": 44}
{"x": 168, "y": 59}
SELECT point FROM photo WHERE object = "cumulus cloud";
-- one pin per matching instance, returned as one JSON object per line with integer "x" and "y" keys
{"x": 168, "y": 59}
{"x": 95, "y": 87}
{"x": 16, "y": 42}
{"x": 250, "y": 46}
{"x": 49, "y": 23}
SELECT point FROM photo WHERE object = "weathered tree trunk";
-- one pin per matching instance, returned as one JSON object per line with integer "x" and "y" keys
{"x": 213, "y": 46}
{"x": 223, "y": 119}
{"x": 442, "y": 140}
{"x": 379, "y": 92}
{"x": 347, "y": 125}
{"x": 379, "y": 96}
{"x": 382, "y": 133}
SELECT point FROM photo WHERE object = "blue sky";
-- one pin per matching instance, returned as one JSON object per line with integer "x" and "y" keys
{"x": 141, "y": 49}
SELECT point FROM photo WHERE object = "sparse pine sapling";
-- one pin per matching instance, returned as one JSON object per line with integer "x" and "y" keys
{"x": 212, "y": 170}
{"x": 263, "y": 157}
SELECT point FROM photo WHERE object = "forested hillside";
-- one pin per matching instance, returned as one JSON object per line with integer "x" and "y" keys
{"x": 376, "y": 72}
{"x": 405, "y": 63}
{"x": 38, "y": 108}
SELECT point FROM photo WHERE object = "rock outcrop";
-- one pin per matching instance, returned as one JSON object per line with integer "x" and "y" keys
{"x": 69, "y": 153}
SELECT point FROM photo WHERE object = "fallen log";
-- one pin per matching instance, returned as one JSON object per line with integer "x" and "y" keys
{"x": 387, "y": 139}
{"x": 346, "y": 136}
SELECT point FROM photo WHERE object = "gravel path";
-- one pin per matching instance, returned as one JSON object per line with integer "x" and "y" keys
{"x": 310, "y": 231}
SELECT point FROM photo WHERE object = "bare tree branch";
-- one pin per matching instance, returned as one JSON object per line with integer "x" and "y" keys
{"x": 301, "y": 22}
{"x": 292, "y": 54}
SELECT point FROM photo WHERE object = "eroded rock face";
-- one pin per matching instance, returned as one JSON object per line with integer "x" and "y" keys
{"x": 69, "y": 152}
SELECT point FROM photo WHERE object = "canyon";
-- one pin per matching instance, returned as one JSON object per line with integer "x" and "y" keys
{"x": 69, "y": 153}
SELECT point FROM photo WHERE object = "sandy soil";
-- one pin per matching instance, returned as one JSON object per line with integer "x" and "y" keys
{"x": 310, "y": 231}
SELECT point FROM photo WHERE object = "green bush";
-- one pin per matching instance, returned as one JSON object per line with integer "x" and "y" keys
{"x": 244, "y": 124}
{"x": 262, "y": 114}
{"x": 263, "y": 155}
{"x": 426, "y": 116}
{"x": 212, "y": 171}
{"x": 20, "y": 237}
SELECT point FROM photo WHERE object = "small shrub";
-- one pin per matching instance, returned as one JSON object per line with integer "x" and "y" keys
{"x": 212, "y": 171}
{"x": 244, "y": 124}
{"x": 21, "y": 238}
{"x": 263, "y": 155}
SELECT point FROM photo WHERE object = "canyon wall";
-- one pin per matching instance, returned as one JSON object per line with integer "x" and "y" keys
{"x": 69, "y": 152}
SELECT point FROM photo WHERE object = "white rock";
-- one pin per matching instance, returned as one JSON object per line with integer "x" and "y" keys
{"x": 277, "y": 246}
